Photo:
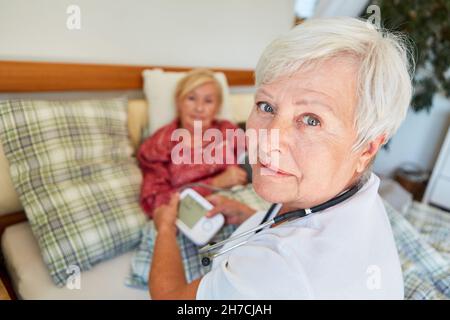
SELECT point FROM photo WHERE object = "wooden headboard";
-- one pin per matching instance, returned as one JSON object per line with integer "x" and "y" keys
{"x": 21, "y": 76}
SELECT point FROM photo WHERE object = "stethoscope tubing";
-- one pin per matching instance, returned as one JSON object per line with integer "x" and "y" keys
{"x": 293, "y": 215}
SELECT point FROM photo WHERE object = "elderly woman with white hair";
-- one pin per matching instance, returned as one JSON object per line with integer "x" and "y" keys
{"x": 336, "y": 90}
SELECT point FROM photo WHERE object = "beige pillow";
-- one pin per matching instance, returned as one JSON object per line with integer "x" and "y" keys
{"x": 137, "y": 121}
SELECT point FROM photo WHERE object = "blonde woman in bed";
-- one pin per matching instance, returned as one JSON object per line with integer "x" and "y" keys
{"x": 198, "y": 99}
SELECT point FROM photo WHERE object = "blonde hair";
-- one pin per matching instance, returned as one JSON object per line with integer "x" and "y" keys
{"x": 385, "y": 68}
{"x": 194, "y": 79}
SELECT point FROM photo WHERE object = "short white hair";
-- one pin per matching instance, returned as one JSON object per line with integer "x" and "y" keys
{"x": 385, "y": 68}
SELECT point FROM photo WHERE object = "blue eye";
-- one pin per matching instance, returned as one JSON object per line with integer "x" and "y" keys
{"x": 265, "y": 107}
{"x": 310, "y": 121}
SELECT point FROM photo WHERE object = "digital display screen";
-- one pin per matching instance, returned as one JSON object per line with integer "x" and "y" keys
{"x": 190, "y": 211}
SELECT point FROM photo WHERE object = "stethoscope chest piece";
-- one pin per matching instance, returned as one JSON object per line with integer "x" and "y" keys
{"x": 206, "y": 261}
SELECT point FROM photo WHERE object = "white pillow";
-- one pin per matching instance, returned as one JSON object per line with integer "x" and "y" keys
{"x": 159, "y": 89}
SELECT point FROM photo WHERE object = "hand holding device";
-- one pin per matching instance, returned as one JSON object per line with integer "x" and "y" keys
{"x": 192, "y": 220}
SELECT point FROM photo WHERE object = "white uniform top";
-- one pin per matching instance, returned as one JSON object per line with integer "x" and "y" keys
{"x": 344, "y": 252}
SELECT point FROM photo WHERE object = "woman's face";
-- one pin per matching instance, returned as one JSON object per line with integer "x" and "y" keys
{"x": 200, "y": 104}
{"x": 314, "y": 113}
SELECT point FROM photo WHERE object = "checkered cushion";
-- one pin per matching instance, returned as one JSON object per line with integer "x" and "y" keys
{"x": 193, "y": 269}
{"x": 426, "y": 272}
{"x": 433, "y": 224}
{"x": 72, "y": 167}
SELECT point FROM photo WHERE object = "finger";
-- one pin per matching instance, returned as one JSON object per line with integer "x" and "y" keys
{"x": 231, "y": 219}
{"x": 240, "y": 170}
{"x": 234, "y": 170}
{"x": 174, "y": 199}
{"x": 243, "y": 175}
{"x": 214, "y": 199}
{"x": 242, "y": 179}
{"x": 214, "y": 211}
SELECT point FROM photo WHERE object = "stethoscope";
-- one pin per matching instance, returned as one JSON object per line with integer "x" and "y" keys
{"x": 209, "y": 249}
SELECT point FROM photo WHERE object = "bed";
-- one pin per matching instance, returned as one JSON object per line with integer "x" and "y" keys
{"x": 422, "y": 232}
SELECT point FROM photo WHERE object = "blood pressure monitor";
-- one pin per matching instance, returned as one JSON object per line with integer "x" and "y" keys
{"x": 192, "y": 220}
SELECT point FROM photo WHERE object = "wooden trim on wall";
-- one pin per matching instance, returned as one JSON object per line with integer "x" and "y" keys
{"x": 21, "y": 76}
{"x": 10, "y": 219}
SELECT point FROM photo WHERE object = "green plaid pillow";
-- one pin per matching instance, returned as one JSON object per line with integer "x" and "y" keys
{"x": 71, "y": 164}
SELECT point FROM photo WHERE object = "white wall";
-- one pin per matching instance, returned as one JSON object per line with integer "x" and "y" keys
{"x": 229, "y": 33}
{"x": 418, "y": 140}
{"x": 210, "y": 33}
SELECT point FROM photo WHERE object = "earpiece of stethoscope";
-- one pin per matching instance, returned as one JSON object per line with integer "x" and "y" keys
{"x": 288, "y": 216}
